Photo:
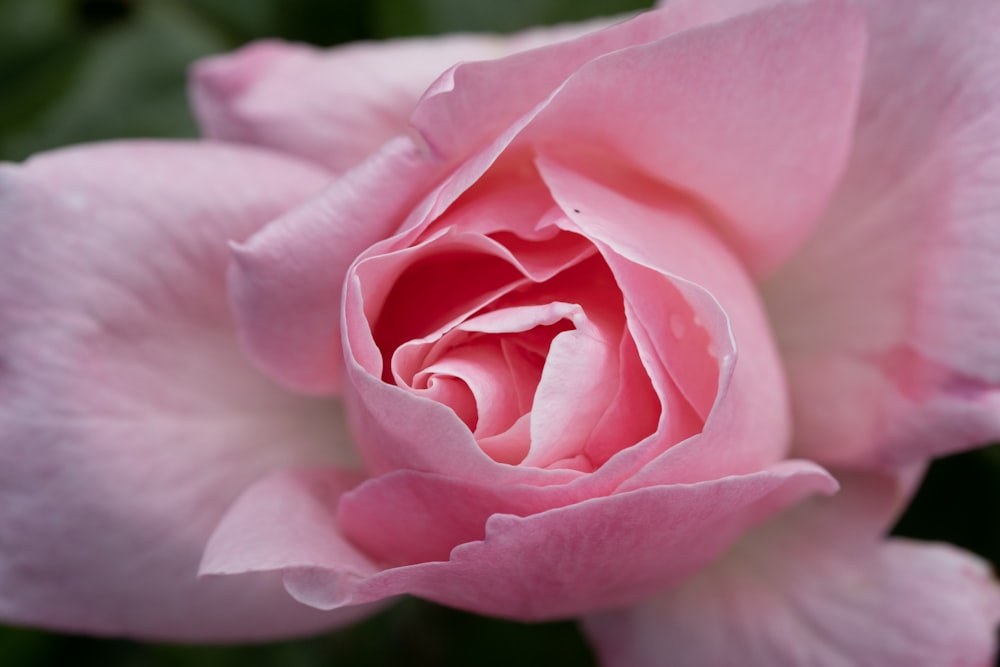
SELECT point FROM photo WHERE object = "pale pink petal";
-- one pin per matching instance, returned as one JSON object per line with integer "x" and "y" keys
{"x": 129, "y": 420}
{"x": 888, "y": 319}
{"x": 483, "y": 369}
{"x": 510, "y": 445}
{"x": 727, "y": 114}
{"x": 595, "y": 554}
{"x": 691, "y": 299}
{"x": 514, "y": 215}
{"x": 591, "y": 555}
{"x": 413, "y": 355}
{"x": 286, "y": 282}
{"x": 421, "y": 292}
{"x": 572, "y": 393}
{"x": 337, "y": 106}
{"x": 472, "y": 103}
{"x": 633, "y": 411}
{"x": 285, "y": 519}
{"x": 816, "y": 587}
{"x": 409, "y": 517}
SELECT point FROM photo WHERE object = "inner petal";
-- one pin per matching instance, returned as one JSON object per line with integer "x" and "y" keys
{"x": 633, "y": 411}
{"x": 483, "y": 367}
{"x": 428, "y": 289}
{"x": 497, "y": 358}
{"x": 523, "y": 338}
{"x": 458, "y": 281}
{"x": 573, "y": 393}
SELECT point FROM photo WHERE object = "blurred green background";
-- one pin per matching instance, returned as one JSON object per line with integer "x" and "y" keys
{"x": 85, "y": 70}
{"x": 82, "y": 70}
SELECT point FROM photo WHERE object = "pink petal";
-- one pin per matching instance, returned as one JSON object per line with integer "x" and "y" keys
{"x": 816, "y": 587}
{"x": 572, "y": 393}
{"x": 129, "y": 420}
{"x": 391, "y": 291}
{"x": 421, "y": 292}
{"x": 730, "y": 114}
{"x": 595, "y": 554}
{"x": 286, "y": 282}
{"x": 409, "y": 517}
{"x": 285, "y": 520}
{"x": 464, "y": 110}
{"x": 888, "y": 318}
{"x": 633, "y": 411}
{"x": 336, "y": 106}
{"x": 483, "y": 369}
{"x": 686, "y": 292}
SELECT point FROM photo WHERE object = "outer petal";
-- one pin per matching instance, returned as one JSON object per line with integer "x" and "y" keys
{"x": 465, "y": 109}
{"x": 287, "y": 286}
{"x": 286, "y": 282}
{"x": 595, "y": 554}
{"x": 751, "y": 116}
{"x": 336, "y": 106}
{"x": 888, "y": 318}
{"x": 816, "y": 587}
{"x": 129, "y": 420}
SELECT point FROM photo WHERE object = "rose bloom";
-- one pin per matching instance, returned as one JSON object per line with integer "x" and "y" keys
{"x": 654, "y": 323}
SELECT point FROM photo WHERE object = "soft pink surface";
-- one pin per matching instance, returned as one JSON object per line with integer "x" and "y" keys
{"x": 684, "y": 201}
{"x": 817, "y": 586}
{"x": 562, "y": 381}
{"x": 887, "y": 318}
{"x": 290, "y": 274}
{"x": 129, "y": 420}
{"x": 286, "y": 282}
{"x": 559, "y": 563}
{"x": 337, "y": 106}
{"x": 749, "y": 422}
{"x": 477, "y": 457}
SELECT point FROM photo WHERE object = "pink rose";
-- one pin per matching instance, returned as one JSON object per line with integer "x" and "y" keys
{"x": 598, "y": 337}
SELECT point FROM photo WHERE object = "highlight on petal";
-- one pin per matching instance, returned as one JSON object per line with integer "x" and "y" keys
{"x": 887, "y": 319}
{"x": 817, "y": 586}
{"x": 129, "y": 419}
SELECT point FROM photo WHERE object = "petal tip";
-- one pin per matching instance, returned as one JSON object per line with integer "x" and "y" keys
{"x": 321, "y": 588}
{"x": 229, "y": 75}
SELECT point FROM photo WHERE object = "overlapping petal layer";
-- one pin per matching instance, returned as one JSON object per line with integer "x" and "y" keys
{"x": 815, "y": 85}
{"x": 817, "y": 587}
{"x": 338, "y": 106}
{"x": 885, "y": 318}
{"x": 129, "y": 420}
{"x": 597, "y": 553}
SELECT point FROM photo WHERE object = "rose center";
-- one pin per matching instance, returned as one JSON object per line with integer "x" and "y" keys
{"x": 526, "y": 342}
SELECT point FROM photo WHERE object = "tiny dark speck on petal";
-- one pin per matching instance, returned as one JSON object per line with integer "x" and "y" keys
{"x": 576, "y": 210}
